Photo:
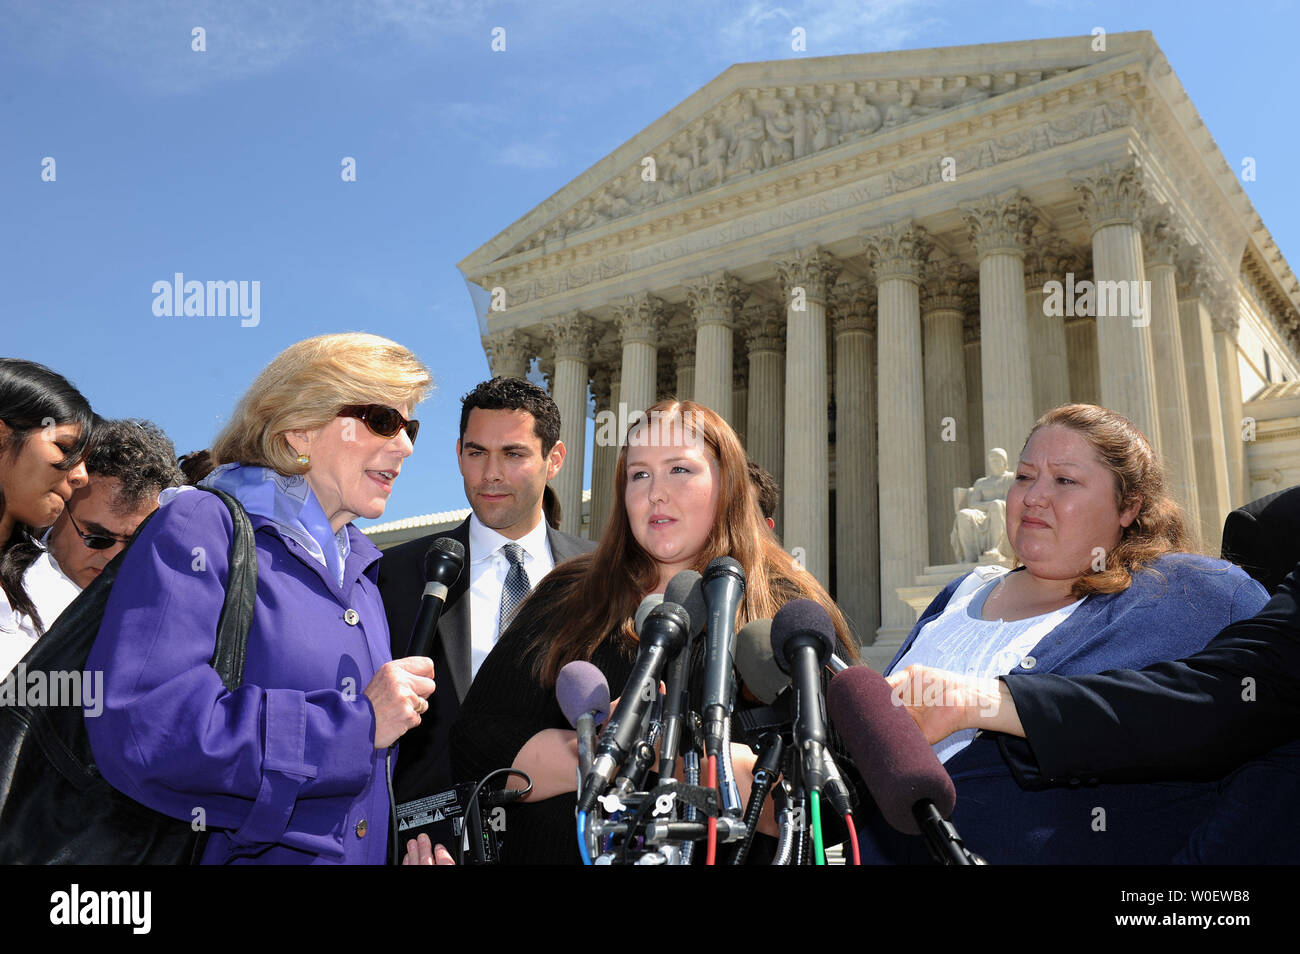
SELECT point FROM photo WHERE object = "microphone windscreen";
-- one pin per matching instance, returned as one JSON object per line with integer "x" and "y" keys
{"x": 685, "y": 590}
{"x": 443, "y": 561}
{"x": 796, "y": 621}
{"x": 642, "y": 611}
{"x": 581, "y": 687}
{"x": 758, "y": 670}
{"x": 898, "y": 765}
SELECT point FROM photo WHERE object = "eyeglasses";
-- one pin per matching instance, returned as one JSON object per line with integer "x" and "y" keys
{"x": 96, "y": 541}
{"x": 382, "y": 420}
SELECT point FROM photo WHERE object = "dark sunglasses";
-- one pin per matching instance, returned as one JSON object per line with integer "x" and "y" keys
{"x": 382, "y": 420}
{"x": 96, "y": 541}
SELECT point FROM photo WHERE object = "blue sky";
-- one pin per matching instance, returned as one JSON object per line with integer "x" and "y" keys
{"x": 225, "y": 164}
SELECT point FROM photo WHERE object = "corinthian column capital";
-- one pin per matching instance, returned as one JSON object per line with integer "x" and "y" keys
{"x": 1111, "y": 193}
{"x": 508, "y": 353}
{"x": 640, "y": 318}
{"x": 810, "y": 269}
{"x": 715, "y": 298}
{"x": 571, "y": 333}
{"x": 899, "y": 250}
{"x": 1001, "y": 223}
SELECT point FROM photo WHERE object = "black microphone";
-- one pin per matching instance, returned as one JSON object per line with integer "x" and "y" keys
{"x": 910, "y": 787}
{"x": 724, "y": 586}
{"x": 442, "y": 565}
{"x": 803, "y": 637}
{"x": 684, "y": 590}
{"x": 664, "y": 633}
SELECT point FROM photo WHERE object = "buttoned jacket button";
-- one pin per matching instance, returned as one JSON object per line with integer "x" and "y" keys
{"x": 362, "y": 827}
{"x": 1029, "y": 662}
{"x": 351, "y": 617}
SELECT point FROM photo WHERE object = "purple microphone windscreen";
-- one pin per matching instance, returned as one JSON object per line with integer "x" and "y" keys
{"x": 758, "y": 670}
{"x": 800, "y": 618}
{"x": 684, "y": 590}
{"x": 581, "y": 687}
{"x": 898, "y": 765}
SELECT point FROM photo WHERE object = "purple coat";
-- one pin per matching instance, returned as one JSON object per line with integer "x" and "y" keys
{"x": 283, "y": 770}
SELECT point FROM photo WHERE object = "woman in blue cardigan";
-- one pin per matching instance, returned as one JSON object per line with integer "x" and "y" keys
{"x": 1104, "y": 581}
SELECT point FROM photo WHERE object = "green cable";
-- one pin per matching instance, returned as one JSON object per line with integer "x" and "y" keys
{"x": 819, "y": 852}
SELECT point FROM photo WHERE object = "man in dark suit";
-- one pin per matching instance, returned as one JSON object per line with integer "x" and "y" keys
{"x": 508, "y": 449}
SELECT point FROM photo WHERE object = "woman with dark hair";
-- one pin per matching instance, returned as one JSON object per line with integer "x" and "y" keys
{"x": 1104, "y": 581}
{"x": 682, "y": 497}
{"x": 289, "y": 767}
{"x": 45, "y": 429}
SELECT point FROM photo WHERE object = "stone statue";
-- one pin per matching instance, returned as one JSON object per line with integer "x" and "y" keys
{"x": 711, "y": 165}
{"x": 824, "y": 126}
{"x": 746, "y": 151}
{"x": 781, "y": 130}
{"x": 862, "y": 120}
{"x": 979, "y": 534}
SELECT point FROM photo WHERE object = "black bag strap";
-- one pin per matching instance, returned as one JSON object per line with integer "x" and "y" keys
{"x": 241, "y": 593}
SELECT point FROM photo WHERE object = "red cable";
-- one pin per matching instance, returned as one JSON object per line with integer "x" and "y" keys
{"x": 853, "y": 838}
{"x": 712, "y": 781}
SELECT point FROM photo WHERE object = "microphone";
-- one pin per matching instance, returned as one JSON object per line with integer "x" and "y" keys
{"x": 684, "y": 590}
{"x": 647, "y": 604}
{"x": 803, "y": 637}
{"x": 581, "y": 688}
{"x": 442, "y": 565}
{"x": 912, "y": 789}
{"x": 583, "y": 694}
{"x": 758, "y": 670}
{"x": 724, "y": 586}
{"x": 664, "y": 633}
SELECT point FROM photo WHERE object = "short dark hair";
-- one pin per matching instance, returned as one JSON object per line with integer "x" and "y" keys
{"x": 769, "y": 494}
{"x": 138, "y": 454}
{"x": 515, "y": 394}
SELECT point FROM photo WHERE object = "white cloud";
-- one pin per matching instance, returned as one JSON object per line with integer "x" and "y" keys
{"x": 762, "y": 30}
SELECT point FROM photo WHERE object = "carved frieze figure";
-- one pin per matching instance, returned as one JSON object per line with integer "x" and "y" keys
{"x": 862, "y": 120}
{"x": 711, "y": 162}
{"x": 979, "y": 534}
{"x": 747, "y": 151}
{"x": 823, "y": 126}
{"x": 779, "y": 146}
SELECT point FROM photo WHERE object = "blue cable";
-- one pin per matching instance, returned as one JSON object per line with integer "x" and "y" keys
{"x": 582, "y": 838}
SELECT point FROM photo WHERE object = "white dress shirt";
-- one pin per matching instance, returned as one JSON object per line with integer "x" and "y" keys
{"x": 51, "y": 591}
{"x": 487, "y": 577}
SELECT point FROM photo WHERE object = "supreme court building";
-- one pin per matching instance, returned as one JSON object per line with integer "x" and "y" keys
{"x": 879, "y": 266}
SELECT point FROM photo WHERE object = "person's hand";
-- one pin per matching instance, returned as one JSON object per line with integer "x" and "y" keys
{"x": 420, "y": 851}
{"x": 399, "y": 694}
{"x": 943, "y": 702}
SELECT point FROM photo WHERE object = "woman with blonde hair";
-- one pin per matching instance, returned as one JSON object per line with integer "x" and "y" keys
{"x": 289, "y": 766}
{"x": 682, "y": 496}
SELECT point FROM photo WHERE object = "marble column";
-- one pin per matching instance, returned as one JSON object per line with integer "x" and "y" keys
{"x": 1209, "y": 448}
{"x": 1225, "y": 318}
{"x": 765, "y": 431}
{"x": 806, "y": 277}
{"x": 571, "y": 336}
{"x": 683, "y": 345}
{"x": 1112, "y": 197}
{"x": 509, "y": 353}
{"x": 947, "y": 427}
{"x": 1048, "y": 258}
{"x": 1085, "y": 370}
{"x": 640, "y": 321}
{"x": 604, "y": 454}
{"x": 999, "y": 229}
{"x": 740, "y": 397}
{"x": 898, "y": 252}
{"x": 713, "y": 300}
{"x": 970, "y": 337}
{"x": 857, "y": 540}
{"x": 1160, "y": 248}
